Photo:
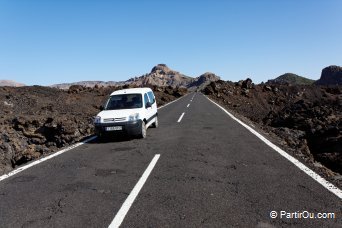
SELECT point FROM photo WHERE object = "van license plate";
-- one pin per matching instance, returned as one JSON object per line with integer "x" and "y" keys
{"x": 115, "y": 128}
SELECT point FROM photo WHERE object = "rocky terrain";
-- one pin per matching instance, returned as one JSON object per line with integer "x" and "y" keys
{"x": 35, "y": 120}
{"x": 305, "y": 120}
{"x": 161, "y": 75}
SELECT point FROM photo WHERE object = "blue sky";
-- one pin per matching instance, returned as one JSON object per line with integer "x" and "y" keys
{"x": 46, "y": 42}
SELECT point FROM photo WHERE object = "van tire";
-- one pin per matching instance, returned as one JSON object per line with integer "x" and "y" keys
{"x": 142, "y": 133}
{"x": 155, "y": 124}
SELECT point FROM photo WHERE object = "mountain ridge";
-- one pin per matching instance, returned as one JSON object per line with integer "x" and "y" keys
{"x": 11, "y": 83}
{"x": 160, "y": 75}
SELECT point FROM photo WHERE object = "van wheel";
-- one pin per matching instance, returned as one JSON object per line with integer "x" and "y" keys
{"x": 155, "y": 124}
{"x": 142, "y": 133}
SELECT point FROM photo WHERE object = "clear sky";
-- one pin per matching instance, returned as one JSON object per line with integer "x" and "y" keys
{"x": 46, "y": 42}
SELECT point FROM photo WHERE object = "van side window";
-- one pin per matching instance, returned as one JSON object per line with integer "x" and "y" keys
{"x": 150, "y": 95}
{"x": 146, "y": 98}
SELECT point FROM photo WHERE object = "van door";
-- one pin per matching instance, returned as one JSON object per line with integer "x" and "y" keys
{"x": 148, "y": 111}
{"x": 154, "y": 104}
{"x": 153, "y": 101}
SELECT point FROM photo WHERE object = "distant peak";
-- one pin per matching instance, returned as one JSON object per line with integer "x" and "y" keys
{"x": 207, "y": 74}
{"x": 210, "y": 76}
{"x": 10, "y": 83}
{"x": 161, "y": 68}
{"x": 290, "y": 79}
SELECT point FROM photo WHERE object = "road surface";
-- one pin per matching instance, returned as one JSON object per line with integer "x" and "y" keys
{"x": 211, "y": 172}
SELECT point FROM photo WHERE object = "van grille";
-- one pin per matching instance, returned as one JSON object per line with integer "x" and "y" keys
{"x": 115, "y": 119}
{"x": 120, "y": 119}
{"x": 108, "y": 120}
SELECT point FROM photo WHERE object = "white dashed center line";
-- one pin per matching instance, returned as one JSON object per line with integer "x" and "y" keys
{"x": 188, "y": 105}
{"x": 180, "y": 118}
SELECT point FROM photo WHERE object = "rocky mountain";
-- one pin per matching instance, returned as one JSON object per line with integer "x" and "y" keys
{"x": 290, "y": 79}
{"x": 203, "y": 80}
{"x": 160, "y": 75}
{"x": 331, "y": 75}
{"x": 11, "y": 83}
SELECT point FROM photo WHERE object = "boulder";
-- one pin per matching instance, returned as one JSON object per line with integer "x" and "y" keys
{"x": 247, "y": 84}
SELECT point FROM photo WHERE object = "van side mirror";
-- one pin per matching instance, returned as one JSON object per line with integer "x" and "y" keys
{"x": 148, "y": 105}
{"x": 101, "y": 108}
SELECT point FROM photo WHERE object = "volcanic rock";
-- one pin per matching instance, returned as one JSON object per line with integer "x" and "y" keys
{"x": 247, "y": 84}
{"x": 331, "y": 75}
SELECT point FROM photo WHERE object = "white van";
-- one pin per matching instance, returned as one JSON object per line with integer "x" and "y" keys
{"x": 129, "y": 110}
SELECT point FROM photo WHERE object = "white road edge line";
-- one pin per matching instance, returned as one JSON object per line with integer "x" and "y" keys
{"x": 180, "y": 118}
{"x": 119, "y": 217}
{"x": 22, "y": 168}
{"x": 188, "y": 105}
{"x": 326, "y": 184}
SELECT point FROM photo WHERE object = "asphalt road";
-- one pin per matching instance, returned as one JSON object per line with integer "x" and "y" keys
{"x": 212, "y": 172}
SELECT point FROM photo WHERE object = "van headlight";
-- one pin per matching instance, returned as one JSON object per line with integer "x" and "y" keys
{"x": 97, "y": 119}
{"x": 133, "y": 117}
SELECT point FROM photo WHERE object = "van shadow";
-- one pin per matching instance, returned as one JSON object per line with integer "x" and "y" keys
{"x": 108, "y": 139}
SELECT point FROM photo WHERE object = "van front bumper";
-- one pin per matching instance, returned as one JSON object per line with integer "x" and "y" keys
{"x": 129, "y": 127}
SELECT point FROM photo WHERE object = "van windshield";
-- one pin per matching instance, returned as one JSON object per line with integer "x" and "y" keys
{"x": 124, "y": 101}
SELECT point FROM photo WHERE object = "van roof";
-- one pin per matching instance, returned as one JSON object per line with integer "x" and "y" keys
{"x": 131, "y": 90}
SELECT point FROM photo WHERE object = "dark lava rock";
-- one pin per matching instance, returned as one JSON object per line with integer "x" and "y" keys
{"x": 331, "y": 75}
{"x": 247, "y": 84}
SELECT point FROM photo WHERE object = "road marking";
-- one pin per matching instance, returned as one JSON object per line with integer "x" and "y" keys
{"x": 180, "y": 118}
{"x": 326, "y": 184}
{"x": 188, "y": 105}
{"x": 119, "y": 217}
{"x": 192, "y": 98}
{"x": 172, "y": 101}
{"x": 22, "y": 168}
